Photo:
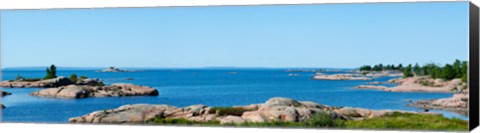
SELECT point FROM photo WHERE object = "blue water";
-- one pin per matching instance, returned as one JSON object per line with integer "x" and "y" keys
{"x": 203, "y": 86}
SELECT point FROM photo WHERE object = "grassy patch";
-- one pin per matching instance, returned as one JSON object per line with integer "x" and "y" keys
{"x": 318, "y": 120}
{"x": 224, "y": 111}
{"x": 180, "y": 121}
{"x": 410, "y": 121}
{"x": 399, "y": 121}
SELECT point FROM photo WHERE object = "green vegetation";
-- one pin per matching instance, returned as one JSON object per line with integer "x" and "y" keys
{"x": 73, "y": 77}
{"x": 51, "y": 72}
{"x": 318, "y": 120}
{"x": 83, "y": 77}
{"x": 407, "y": 72}
{"x": 410, "y": 121}
{"x": 459, "y": 69}
{"x": 224, "y": 111}
{"x": 397, "y": 120}
{"x": 21, "y": 78}
{"x": 381, "y": 67}
{"x": 180, "y": 121}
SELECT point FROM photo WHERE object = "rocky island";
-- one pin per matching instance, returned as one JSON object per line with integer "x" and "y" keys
{"x": 84, "y": 91}
{"x": 45, "y": 83}
{"x": 114, "y": 69}
{"x": 76, "y": 87}
{"x": 340, "y": 77}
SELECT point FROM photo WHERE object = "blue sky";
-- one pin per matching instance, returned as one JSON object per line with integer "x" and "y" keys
{"x": 325, "y": 35}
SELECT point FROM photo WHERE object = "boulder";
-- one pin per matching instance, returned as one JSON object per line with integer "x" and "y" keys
{"x": 280, "y": 101}
{"x": 2, "y": 106}
{"x": 89, "y": 81}
{"x": 137, "y": 113}
{"x": 231, "y": 120}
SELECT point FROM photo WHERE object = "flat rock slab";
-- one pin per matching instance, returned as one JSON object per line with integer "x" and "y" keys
{"x": 83, "y": 91}
{"x": 55, "y": 82}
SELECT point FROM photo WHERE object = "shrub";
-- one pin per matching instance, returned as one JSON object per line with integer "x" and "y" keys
{"x": 323, "y": 120}
{"x": 224, "y": 111}
{"x": 73, "y": 77}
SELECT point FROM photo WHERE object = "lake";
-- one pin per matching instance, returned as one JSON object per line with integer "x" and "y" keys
{"x": 212, "y": 87}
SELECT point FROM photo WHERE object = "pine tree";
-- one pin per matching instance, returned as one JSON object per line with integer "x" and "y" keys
{"x": 416, "y": 69}
{"x": 51, "y": 72}
{"x": 407, "y": 72}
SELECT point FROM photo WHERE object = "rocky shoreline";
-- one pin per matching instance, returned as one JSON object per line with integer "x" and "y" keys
{"x": 276, "y": 109}
{"x": 457, "y": 103}
{"x": 416, "y": 84}
{"x": 357, "y": 75}
{"x": 340, "y": 77}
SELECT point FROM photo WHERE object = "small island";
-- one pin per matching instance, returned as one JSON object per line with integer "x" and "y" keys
{"x": 114, "y": 69}
{"x": 76, "y": 87}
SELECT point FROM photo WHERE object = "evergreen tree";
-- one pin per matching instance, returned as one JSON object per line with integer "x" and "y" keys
{"x": 407, "y": 72}
{"x": 400, "y": 67}
{"x": 51, "y": 72}
{"x": 448, "y": 72}
{"x": 416, "y": 69}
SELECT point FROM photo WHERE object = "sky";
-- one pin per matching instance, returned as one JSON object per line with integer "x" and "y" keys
{"x": 321, "y": 35}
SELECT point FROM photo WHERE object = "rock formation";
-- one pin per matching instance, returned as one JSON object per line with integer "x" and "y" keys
{"x": 457, "y": 103}
{"x": 114, "y": 69}
{"x": 275, "y": 109}
{"x": 55, "y": 82}
{"x": 4, "y": 93}
{"x": 340, "y": 77}
{"x": 420, "y": 84}
{"x": 83, "y": 91}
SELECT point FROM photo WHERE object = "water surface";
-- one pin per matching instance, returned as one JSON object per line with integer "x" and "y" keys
{"x": 204, "y": 86}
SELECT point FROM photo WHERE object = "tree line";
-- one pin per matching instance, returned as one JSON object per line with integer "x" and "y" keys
{"x": 381, "y": 67}
{"x": 458, "y": 69}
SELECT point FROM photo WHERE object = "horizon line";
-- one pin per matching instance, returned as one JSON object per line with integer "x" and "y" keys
{"x": 214, "y": 67}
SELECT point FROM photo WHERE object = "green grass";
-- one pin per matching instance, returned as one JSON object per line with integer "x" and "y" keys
{"x": 180, "y": 121}
{"x": 318, "y": 120}
{"x": 224, "y": 111}
{"x": 410, "y": 121}
{"x": 398, "y": 121}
